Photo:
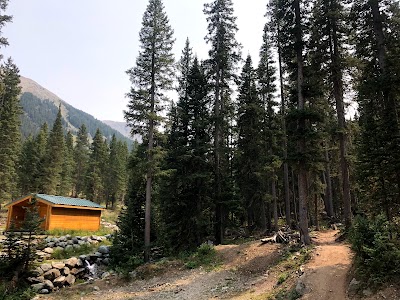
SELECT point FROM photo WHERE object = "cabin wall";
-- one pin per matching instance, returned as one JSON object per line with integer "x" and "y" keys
{"x": 75, "y": 219}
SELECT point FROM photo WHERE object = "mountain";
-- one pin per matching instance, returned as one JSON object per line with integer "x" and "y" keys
{"x": 123, "y": 128}
{"x": 40, "y": 105}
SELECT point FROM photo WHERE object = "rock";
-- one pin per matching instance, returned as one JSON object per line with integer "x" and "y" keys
{"x": 96, "y": 288}
{"x": 70, "y": 242}
{"x": 81, "y": 242}
{"x": 104, "y": 249}
{"x": 37, "y": 287}
{"x": 367, "y": 292}
{"x": 45, "y": 267}
{"x": 69, "y": 248}
{"x": 68, "y": 236}
{"x": 70, "y": 279}
{"x": 59, "y": 281}
{"x": 354, "y": 286}
{"x": 37, "y": 271}
{"x": 44, "y": 291}
{"x": 52, "y": 274}
{"x": 105, "y": 275}
{"x": 49, "y": 285}
{"x": 48, "y": 239}
{"x": 301, "y": 288}
{"x": 72, "y": 262}
{"x": 65, "y": 271}
{"x": 63, "y": 239}
{"x": 83, "y": 257}
{"x": 106, "y": 261}
{"x": 55, "y": 240}
{"x": 35, "y": 280}
{"x": 76, "y": 246}
{"x": 50, "y": 244}
{"x": 58, "y": 248}
{"x": 76, "y": 271}
{"x": 48, "y": 250}
{"x": 62, "y": 244}
{"x": 75, "y": 240}
{"x": 58, "y": 265}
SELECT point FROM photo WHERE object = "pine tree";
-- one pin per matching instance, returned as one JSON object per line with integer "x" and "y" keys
{"x": 377, "y": 50}
{"x": 266, "y": 76}
{"x": 127, "y": 247}
{"x": 27, "y": 166}
{"x": 96, "y": 172}
{"x": 39, "y": 156}
{"x": 224, "y": 56}
{"x": 81, "y": 158}
{"x": 68, "y": 167}
{"x": 54, "y": 159}
{"x": 116, "y": 174}
{"x": 250, "y": 152}
{"x": 151, "y": 77}
{"x": 10, "y": 136}
{"x": 185, "y": 192}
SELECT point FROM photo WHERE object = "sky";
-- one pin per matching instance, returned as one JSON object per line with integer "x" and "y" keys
{"x": 81, "y": 49}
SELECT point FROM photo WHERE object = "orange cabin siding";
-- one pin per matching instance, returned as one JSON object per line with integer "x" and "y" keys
{"x": 56, "y": 217}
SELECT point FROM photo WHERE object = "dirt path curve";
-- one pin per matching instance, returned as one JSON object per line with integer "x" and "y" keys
{"x": 326, "y": 274}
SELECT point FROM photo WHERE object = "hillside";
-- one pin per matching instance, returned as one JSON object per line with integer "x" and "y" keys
{"x": 40, "y": 105}
{"x": 122, "y": 128}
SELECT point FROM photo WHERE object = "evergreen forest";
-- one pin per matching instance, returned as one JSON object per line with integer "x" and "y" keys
{"x": 241, "y": 146}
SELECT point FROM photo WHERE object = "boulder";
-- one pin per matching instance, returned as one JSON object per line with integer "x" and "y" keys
{"x": 65, "y": 271}
{"x": 37, "y": 287}
{"x": 68, "y": 236}
{"x": 37, "y": 271}
{"x": 58, "y": 248}
{"x": 76, "y": 246}
{"x": 104, "y": 249}
{"x": 62, "y": 239}
{"x": 52, "y": 274}
{"x": 69, "y": 248}
{"x": 75, "y": 240}
{"x": 354, "y": 287}
{"x": 70, "y": 242}
{"x": 106, "y": 261}
{"x": 72, "y": 262}
{"x": 58, "y": 265}
{"x": 48, "y": 250}
{"x": 49, "y": 285}
{"x": 50, "y": 244}
{"x": 59, "y": 281}
{"x": 77, "y": 271}
{"x": 105, "y": 275}
{"x": 45, "y": 267}
{"x": 70, "y": 279}
{"x": 44, "y": 291}
{"x": 35, "y": 280}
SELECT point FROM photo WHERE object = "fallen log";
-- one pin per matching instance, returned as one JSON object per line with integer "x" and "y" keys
{"x": 278, "y": 237}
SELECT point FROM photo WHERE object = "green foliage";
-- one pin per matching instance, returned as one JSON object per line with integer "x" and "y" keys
{"x": 127, "y": 245}
{"x": 205, "y": 256}
{"x": 23, "y": 292}
{"x": 283, "y": 277}
{"x": 377, "y": 248}
{"x": 61, "y": 232}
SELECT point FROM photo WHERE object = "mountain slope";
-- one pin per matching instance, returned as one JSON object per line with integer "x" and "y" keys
{"x": 40, "y": 105}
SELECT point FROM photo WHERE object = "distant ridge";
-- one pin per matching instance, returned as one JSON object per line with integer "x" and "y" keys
{"x": 41, "y": 105}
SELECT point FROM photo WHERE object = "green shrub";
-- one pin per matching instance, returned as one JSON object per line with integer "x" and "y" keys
{"x": 377, "y": 252}
{"x": 23, "y": 292}
{"x": 204, "y": 256}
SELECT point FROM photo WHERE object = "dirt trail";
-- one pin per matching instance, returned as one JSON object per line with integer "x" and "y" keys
{"x": 247, "y": 272}
{"x": 326, "y": 274}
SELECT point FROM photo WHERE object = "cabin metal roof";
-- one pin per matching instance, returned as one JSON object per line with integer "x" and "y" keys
{"x": 60, "y": 200}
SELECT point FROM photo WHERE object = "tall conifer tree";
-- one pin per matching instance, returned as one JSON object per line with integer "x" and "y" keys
{"x": 54, "y": 159}
{"x": 222, "y": 63}
{"x": 151, "y": 77}
{"x": 10, "y": 136}
{"x": 81, "y": 158}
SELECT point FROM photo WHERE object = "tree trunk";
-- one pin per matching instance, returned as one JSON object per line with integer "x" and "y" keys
{"x": 328, "y": 179}
{"x": 301, "y": 145}
{"x": 149, "y": 175}
{"x": 283, "y": 112}
{"x": 316, "y": 212}
{"x": 337, "y": 79}
{"x": 275, "y": 201}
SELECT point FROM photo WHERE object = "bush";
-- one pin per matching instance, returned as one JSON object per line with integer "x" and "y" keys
{"x": 377, "y": 252}
{"x": 204, "y": 256}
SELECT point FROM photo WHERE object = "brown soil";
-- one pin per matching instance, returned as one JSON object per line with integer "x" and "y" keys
{"x": 326, "y": 275}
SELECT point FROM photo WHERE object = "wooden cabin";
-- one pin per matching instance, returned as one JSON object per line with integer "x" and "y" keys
{"x": 57, "y": 212}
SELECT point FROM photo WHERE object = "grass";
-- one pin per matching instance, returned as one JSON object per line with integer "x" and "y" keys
{"x": 84, "y": 249}
{"x": 110, "y": 215}
{"x": 62, "y": 232}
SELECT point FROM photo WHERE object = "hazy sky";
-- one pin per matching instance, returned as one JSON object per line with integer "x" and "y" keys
{"x": 80, "y": 49}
